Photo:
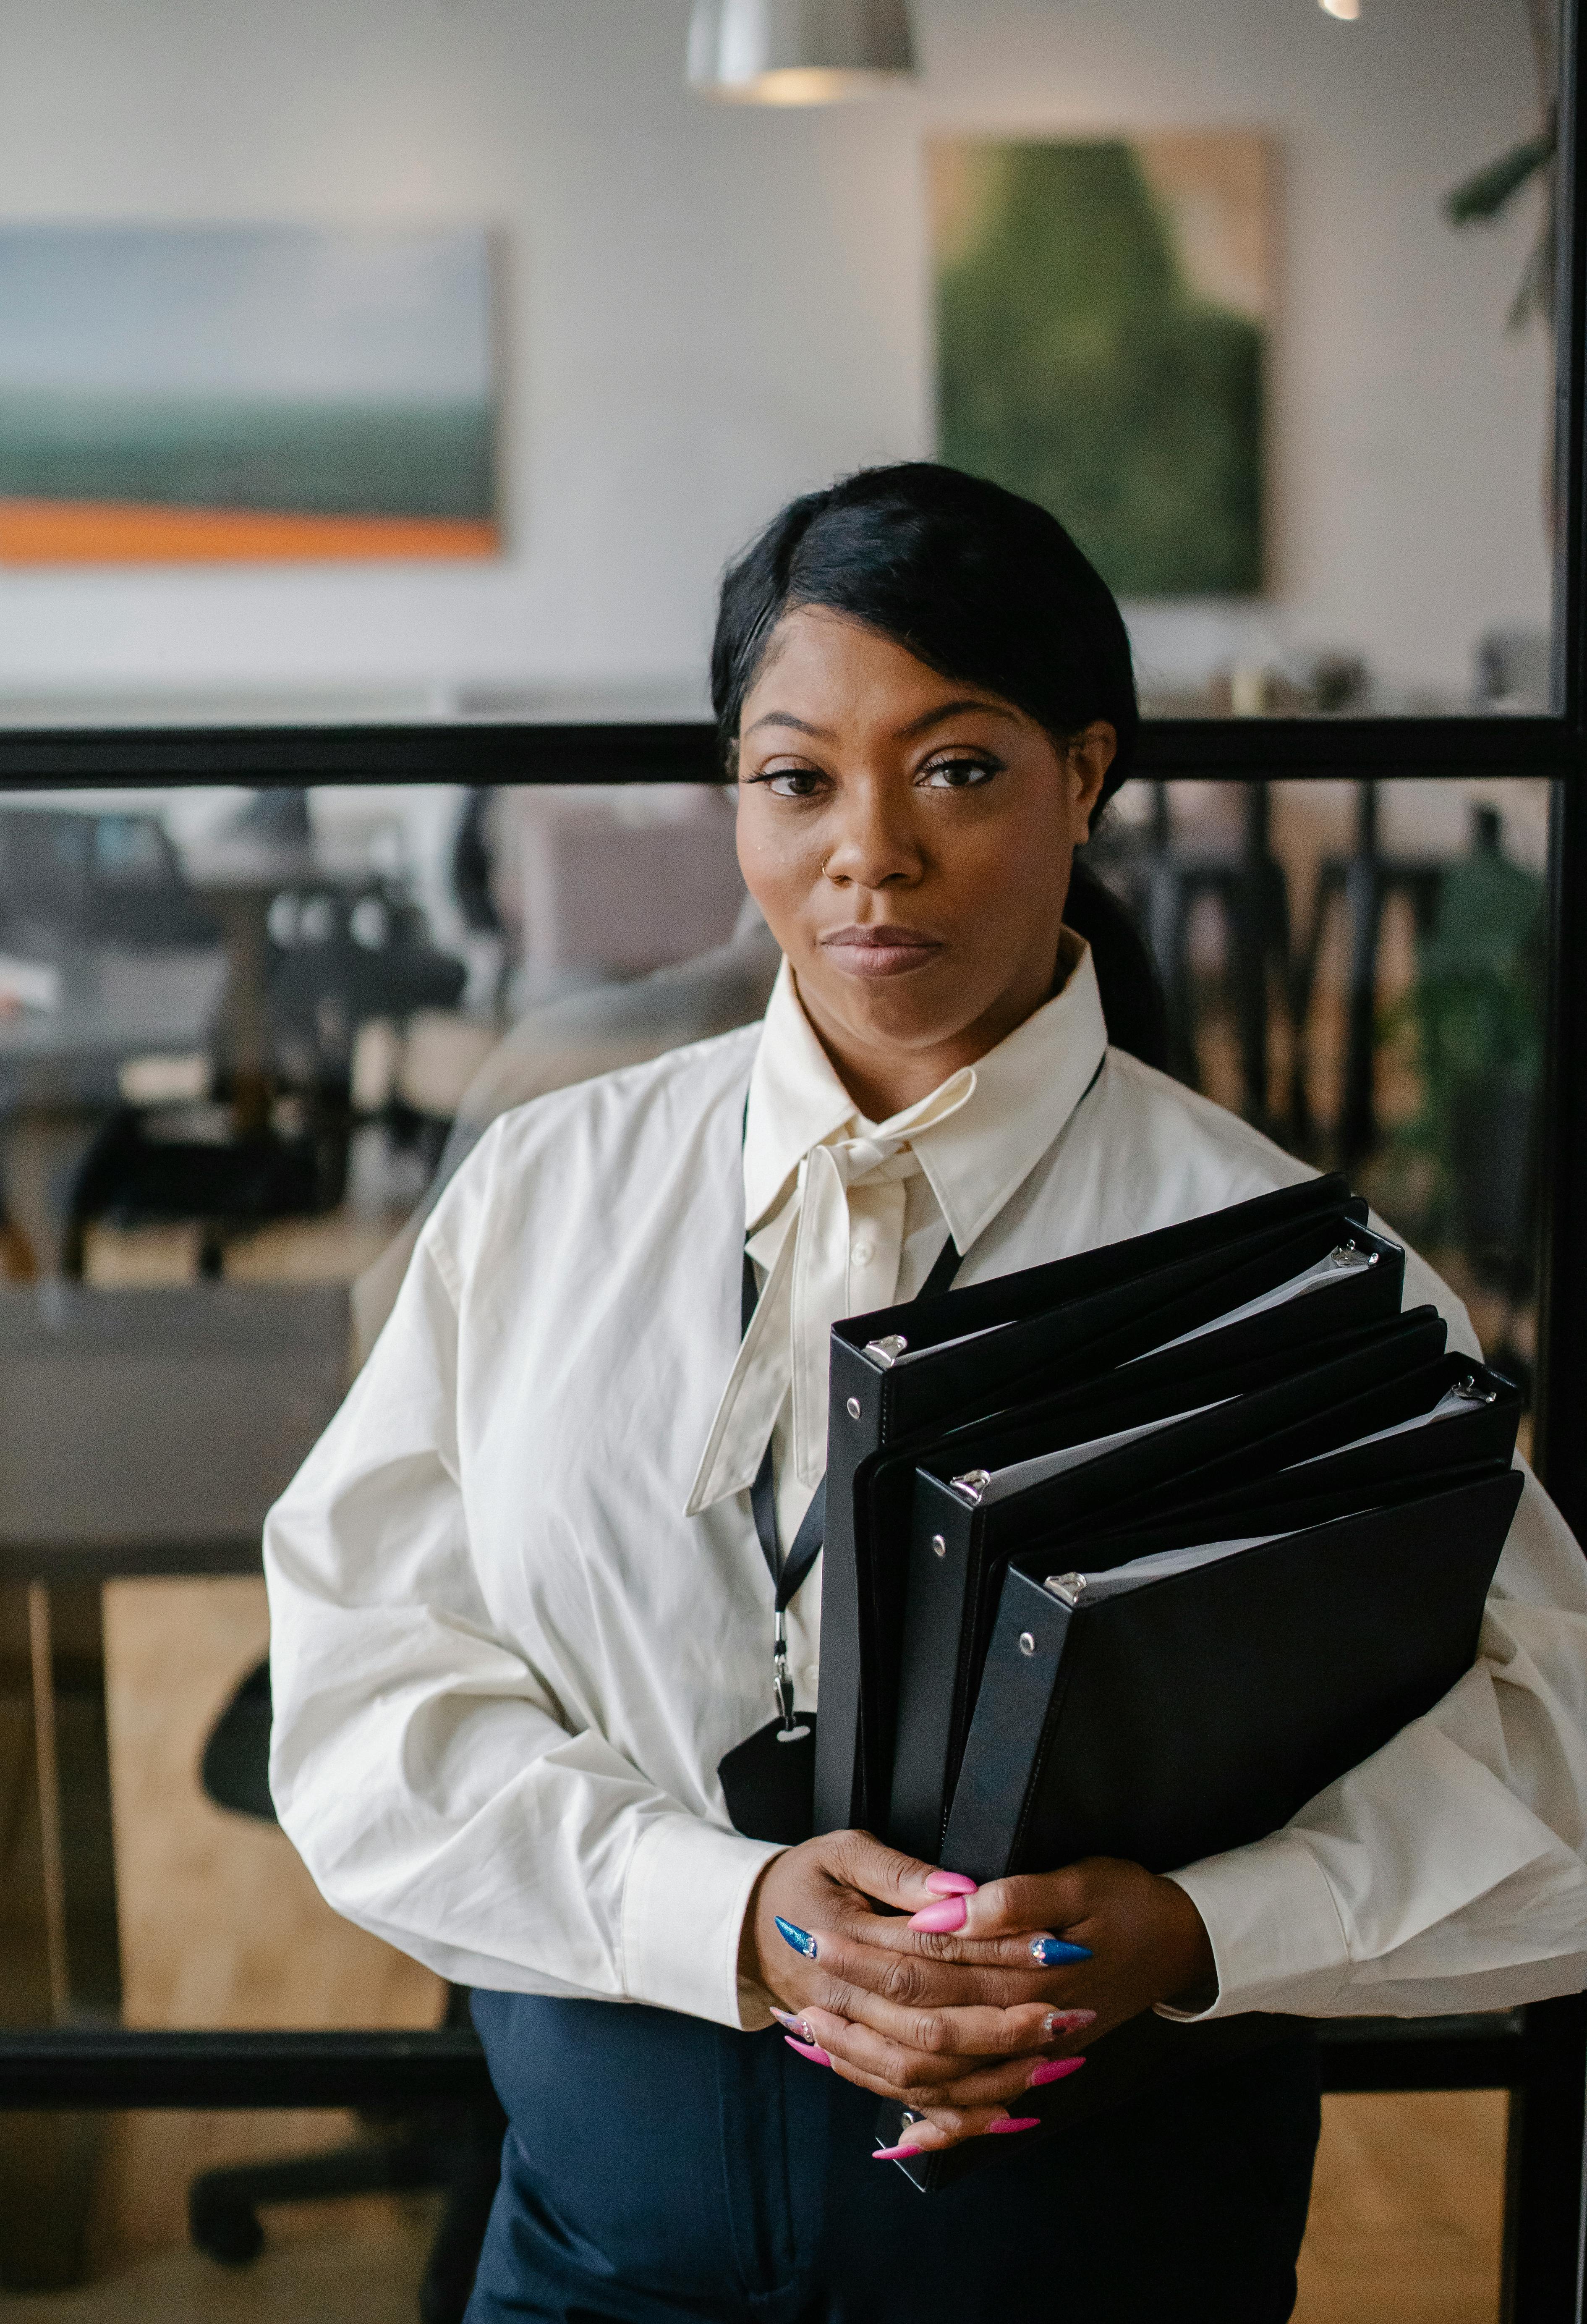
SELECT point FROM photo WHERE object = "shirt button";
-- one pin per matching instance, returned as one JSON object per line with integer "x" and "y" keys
{"x": 864, "y": 1253}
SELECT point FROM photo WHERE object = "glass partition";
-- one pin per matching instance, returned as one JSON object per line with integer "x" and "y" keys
{"x": 242, "y": 1040}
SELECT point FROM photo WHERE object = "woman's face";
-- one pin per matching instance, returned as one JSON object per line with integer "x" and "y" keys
{"x": 908, "y": 838}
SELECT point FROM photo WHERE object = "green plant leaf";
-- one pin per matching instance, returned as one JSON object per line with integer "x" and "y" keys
{"x": 1485, "y": 194}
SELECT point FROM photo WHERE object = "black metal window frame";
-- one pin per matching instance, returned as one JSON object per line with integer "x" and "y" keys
{"x": 1538, "y": 2054}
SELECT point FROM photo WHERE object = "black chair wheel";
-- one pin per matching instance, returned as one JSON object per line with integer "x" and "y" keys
{"x": 224, "y": 2229}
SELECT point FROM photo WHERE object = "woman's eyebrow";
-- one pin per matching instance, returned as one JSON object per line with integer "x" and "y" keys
{"x": 787, "y": 718}
{"x": 927, "y": 719}
{"x": 953, "y": 710}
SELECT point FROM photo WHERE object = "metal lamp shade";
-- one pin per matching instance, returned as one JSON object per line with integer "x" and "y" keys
{"x": 798, "y": 51}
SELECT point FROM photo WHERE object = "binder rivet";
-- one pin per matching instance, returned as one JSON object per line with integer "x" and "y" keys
{"x": 1468, "y": 1388}
{"x": 939, "y": 1547}
{"x": 1027, "y": 1643}
{"x": 853, "y": 1407}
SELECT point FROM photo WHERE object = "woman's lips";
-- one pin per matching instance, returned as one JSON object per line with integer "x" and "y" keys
{"x": 879, "y": 951}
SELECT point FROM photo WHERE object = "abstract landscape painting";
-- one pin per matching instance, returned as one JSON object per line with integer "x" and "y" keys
{"x": 1103, "y": 317}
{"x": 241, "y": 393}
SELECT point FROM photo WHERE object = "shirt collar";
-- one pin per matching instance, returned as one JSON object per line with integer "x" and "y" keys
{"x": 978, "y": 1137}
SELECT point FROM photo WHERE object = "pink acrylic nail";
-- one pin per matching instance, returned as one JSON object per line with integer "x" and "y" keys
{"x": 892, "y": 2153}
{"x": 941, "y": 1919}
{"x": 799, "y": 2025}
{"x": 1014, "y": 2122}
{"x": 808, "y": 2050}
{"x": 1053, "y": 2070}
{"x": 949, "y": 1883}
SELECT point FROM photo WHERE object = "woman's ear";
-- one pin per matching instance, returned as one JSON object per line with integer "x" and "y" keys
{"x": 1089, "y": 755}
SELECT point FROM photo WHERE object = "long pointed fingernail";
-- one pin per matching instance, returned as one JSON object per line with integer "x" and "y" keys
{"x": 892, "y": 2153}
{"x": 820, "y": 2057}
{"x": 1065, "y": 2021}
{"x": 1051, "y": 1953}
{"x": 949, "y": 1883}
{"x": 1051, "y": 2069}
{"x": 1013, "y": 2121}
{"x": 941, "y": 1919}
{"x": 799, "y": 2025}
{"x": 800, "y": 1940}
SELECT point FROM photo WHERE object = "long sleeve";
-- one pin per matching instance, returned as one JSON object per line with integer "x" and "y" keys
{"x": 1445, "y": 1873}
{"x": 440, "y": 1791}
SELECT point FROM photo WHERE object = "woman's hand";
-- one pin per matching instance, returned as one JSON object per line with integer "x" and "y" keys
{"x": 907, "y": 2019}
{"x": 958, "y": 2017}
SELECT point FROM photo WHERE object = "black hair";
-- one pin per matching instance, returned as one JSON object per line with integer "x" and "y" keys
{"x": 975, "y": 581}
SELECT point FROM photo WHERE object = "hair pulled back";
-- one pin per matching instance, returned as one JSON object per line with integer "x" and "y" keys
{"x": 980, "y": 586}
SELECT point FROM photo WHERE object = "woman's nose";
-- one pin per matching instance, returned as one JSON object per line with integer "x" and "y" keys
{"x": 874, "y": 847}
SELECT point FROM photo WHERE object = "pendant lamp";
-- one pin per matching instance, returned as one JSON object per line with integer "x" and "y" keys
{"x": 798, "y": 51}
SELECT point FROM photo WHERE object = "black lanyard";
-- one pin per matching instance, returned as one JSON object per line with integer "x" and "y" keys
{"x": 787, "y": 1573}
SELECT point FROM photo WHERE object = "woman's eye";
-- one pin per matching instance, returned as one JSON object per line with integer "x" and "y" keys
{"x": 956, "y": 774}
{"x": 791, "y": 782}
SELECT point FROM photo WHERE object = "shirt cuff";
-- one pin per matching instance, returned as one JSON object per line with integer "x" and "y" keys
{"x": 1277, "y": 1938}
{"x": 689, "y": 1886}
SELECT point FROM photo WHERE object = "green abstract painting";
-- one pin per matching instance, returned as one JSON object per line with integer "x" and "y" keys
{"x": 1104, "y": 318}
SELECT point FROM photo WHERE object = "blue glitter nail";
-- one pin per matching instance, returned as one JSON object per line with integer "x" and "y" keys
{"x": 800, "y": 1940}
{"x": 1049, "y": 1952}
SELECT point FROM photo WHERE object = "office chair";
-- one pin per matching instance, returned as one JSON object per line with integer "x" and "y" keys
{"x": 453, "y": 2149}
{"x": 169, "y": 1165}
{"x": 1363, "y": 881}
{"x": 1162, "y": 877}
{"x": 337, "y": 961}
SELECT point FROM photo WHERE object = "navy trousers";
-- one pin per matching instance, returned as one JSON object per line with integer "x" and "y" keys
{"x": 659, "y": 2168}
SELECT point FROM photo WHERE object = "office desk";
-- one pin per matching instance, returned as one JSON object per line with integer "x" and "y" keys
{"x": 141, "y": 1433}
{"x": 148, "y": 1432}
{"x": 116, "y": 1003}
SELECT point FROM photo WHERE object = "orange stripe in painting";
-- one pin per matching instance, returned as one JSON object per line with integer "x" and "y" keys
{"x": 113, "y": 532}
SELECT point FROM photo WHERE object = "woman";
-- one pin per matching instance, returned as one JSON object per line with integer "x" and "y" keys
{"x": 522, "y": 1616}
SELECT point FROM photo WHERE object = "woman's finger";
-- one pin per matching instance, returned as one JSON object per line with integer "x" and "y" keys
{"x": 922, "y": 2079}
{"x": 856, "y": 2065}
{"x": 879, "y": 1872}
{"x": 956, "y": 2040}
{"x": 942, "y": 1936}
{"x": 986, "y": 2083}
{"x": 934, "y": 2130}
{"x": 913, "y": 2079}
{"x": 972, "y": 2029}
{"x": 916, "y": 2077}
{"x": 909, "y": 1980}
{"x": 1053, "y": 1901}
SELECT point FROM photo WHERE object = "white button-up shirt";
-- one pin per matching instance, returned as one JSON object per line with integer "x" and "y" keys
{"x": 520, "y": 1614}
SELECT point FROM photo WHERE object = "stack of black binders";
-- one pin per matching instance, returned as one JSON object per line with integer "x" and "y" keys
{"x": 1133, "y": 1554}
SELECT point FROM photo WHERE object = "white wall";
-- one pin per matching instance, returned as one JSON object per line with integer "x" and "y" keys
{"x": 706, "y": 308}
